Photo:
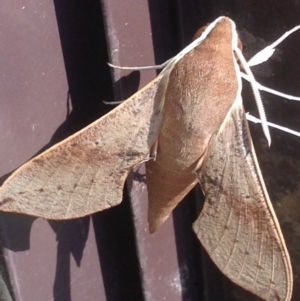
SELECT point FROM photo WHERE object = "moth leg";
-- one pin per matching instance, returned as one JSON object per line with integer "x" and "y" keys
{"x": 152, "y": 153}
{"x": 153, "y": 150}
{"x": 199, "y": 163}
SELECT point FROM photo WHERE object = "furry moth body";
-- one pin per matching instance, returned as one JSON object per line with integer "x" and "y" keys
{"x": 190, "y": 127}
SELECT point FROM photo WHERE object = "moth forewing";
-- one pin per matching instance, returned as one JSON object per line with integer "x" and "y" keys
{"x": 86, "y": 172}
{"x": 237, "y": 225}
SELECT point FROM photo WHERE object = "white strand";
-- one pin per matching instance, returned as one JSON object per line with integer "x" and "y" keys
{"x": 276, "y": 126}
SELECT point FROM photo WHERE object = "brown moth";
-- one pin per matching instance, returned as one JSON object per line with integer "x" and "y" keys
{"x": 189, "y": 126}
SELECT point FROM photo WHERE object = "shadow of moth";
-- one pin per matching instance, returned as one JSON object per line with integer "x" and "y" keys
{"x": 189, "y": 126}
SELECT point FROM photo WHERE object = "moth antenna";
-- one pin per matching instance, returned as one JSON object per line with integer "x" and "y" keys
{"x": 253, "y": 83}
{"x": 161, "y": 66}
{"x": 267, "y": 52}
{"x": 271, "y": 91}
{"x": 276, "y": 126}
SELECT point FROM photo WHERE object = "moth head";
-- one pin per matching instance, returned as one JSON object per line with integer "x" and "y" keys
{"x": 200, "y": 31}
